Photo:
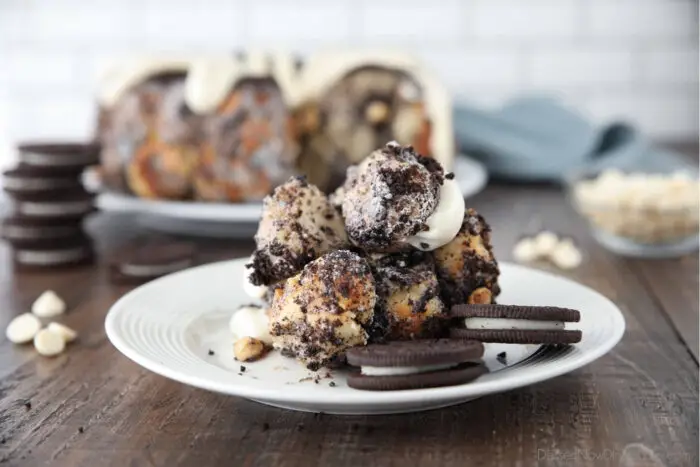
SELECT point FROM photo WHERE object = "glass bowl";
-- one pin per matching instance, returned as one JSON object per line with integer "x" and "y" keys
{"x": 639, "y": 214}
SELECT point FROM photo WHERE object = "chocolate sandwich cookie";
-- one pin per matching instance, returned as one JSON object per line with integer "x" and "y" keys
{"x": 25, "y": 180}
{"x": 59, "y": 157}
{"x": 66, "y": 205}
{"x": 26, "y": 230}
{"x": 144, "y": 261}
{"x": 415, "y": 364}
{"x": 515, "y": 324}
{"x": 54, "y": 253}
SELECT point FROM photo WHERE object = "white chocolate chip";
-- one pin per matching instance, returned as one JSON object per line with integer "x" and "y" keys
{"x": 23, "y": 328}
{"x": 566, "y": 255}
{"x": 48, "y": 305}
{"x": 545, "y": 242}
{"x": 68, "y": 334}
{"x": 49, "y": 343}
{"x": 524, "y": 251}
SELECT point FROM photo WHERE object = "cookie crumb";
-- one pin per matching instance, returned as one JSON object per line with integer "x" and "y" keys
{"x": 81, "y": 429}
{"x": 243, "y": 369}
{"x": 265, "y": 426}
{"x": 501, "y": 357}
{"x": 450, "y": 175}
{"x": 27, "y": 405}
{"x": 211, "y": 352}
{"x": 332, "y": 384}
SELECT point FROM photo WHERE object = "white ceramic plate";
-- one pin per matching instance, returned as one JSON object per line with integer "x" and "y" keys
{"x": 169, "y": 325}
{"x": 202, "y": 218}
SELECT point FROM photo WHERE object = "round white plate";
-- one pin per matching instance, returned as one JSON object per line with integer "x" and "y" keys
{"x": 169, "y": 325}
{"x": 202, "y": 218}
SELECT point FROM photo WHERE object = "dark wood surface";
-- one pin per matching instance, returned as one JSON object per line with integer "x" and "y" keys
{"x": 91, "y": 406}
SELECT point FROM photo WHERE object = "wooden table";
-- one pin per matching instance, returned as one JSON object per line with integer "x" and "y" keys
{"x": 636, "y": 406}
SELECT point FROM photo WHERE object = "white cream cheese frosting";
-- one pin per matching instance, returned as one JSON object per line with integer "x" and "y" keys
{"x": 208, "y": 82}
{"x": 402, "y": 370}
{"x": 119, "y": 78}
{"x": 507, "y": 323}
{"x": 445, "y": 222}
{"x": 209, "y": 79}
{"x": 250, "y": 321}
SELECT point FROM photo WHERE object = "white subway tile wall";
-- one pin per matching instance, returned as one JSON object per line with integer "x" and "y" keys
{"x": 635, "y": 60}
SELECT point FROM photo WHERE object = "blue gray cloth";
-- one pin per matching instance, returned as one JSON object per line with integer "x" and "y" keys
{"x": 538, "y": 139}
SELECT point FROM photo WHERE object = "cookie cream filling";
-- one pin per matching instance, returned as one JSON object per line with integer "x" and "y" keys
{"x": 19, "y": 232}
{"x": 49, "y": 257}
{"x": 250, "y": 321}
{"x": 519, "y": 324}
{"x": 141, "y": 270}
{"x": 402, "y": 370}
{"x": 46, "y": 209}
{"x": 35, "y": 158}
{"x": 445, "y": 222}
{"x": 36, "y": 183}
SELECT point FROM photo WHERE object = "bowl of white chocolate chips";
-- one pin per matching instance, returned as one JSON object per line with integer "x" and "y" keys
{"x": 640, "y": 214}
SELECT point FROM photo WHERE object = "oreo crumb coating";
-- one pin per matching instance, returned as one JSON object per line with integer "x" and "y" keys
{"x": 408, "y": 299}
{"x": 324, "y": 310}
{"x": 389, "y": 196}
{"x": 466, "y": 267}
{"x": 298, "y": 225}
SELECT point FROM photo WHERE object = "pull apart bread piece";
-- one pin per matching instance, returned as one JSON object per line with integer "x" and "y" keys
{"x": 298, "y": 225}
{"x": 466, "y": 267}
{"x": 324, "y": 310}
{"x": 397, "y": 198}
{"x": 408, "y": 298}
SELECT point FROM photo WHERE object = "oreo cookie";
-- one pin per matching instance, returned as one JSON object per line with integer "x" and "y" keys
{"x": 70, "y": 252}
{"x": 66, "y": 205}
{"x": 26, "y": 230}
{"x": 59, "y": 157}
{"x": 146, "y": 260}
{"x": 400, "y": 365}
{"x": 514, "y": 324}
{"x": 26, "y": 181}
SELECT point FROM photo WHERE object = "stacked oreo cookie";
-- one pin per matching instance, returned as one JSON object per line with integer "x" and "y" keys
{"x": 45, "y": 227}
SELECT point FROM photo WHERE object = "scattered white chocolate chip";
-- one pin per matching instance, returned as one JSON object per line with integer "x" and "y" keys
{"x": 49, "y": 343}
{"x": 248, "y": 349}
{"x": 48, "y": 305}
{"x": 524, "y": 251}
{"x": 546, "y": 245}
{"x": 68, "y": 334}
{"x": 545, "y": 242}
{"x": 566, "y": 255}
{"x": 23, "y": 328}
